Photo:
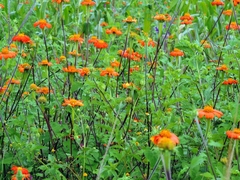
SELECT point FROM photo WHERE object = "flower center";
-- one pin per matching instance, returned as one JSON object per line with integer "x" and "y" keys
{"x": 208, "y": 109}
{"x": 165, "y": 133}
{"x": 43, "y": 21}
{"x": 237, "y": 131}
{"x": 5, "y": 50}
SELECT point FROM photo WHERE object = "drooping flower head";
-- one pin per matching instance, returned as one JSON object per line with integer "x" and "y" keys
{"x": 114, "y": 30}
{"x": 60, "y": 59}
{"x": 76, "y": 38}
{"x": 3, "y": 89}
{"x": 24, "y": 67}
{"x": 6, "y": 54}
{"x": 45, "y": 62}
{"x": 222, "y": 68}
{"x": 88, "y": 3}
{"x": 115, "y": 63}
{"x": 186, "y": 19}
{"x": 12, "y": 81}
{"x": 43, "y": 90}
{"x": 209, "y": 113}
{"x": 72, "y": 103}
{"x": 109, "y": 72}
{"x": 60, "y": 1}
{"x": 234, "y": 134}
{"x": 100, "y": 44}
{"x": 176, "y": 52}
{"x": 230, "y": 81}
{"x": 217, "y": 3}
{"x": 129, "y": 19}
{"x": 70, "y": 69}
{"x": 42, "y": 23}
{"x": 165, "y": 140}
{"x": 93, "y": 39}
{"x": 74, "y": 53}
{"x": 22, "y": 38}
{"x": 205, "y": 44}
{"x": 233, "y": 26}
{"x": 162, "y": 17}
{"x": 227, "y": 12}
{"x": 84, "y": 71}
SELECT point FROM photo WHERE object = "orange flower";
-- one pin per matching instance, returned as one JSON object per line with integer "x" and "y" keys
{"x": 186, "y": 22}
{"x": 186, "y": 16}
{"x": 76, "y": 38}
{"x": 5, "y": 54}
{"x": 84, "y": 71}
{"x": 150, "y": 43}
{"x": 1, "y": 6}
{"x": 209, "y": 113}
{"x": 130, "y": 54}
{"x": 234, "y": 134}
{"x": 72, "y": 102}
{"x": 236, "y": 2}
{"x": 129, "y": 19}
{"x": 100, "y": 44}
{"x": 60, "y": 1}
{"x": 43, "y": 90}
{"x": 233, "y": 26}
{"x": 230, "y": 81}
{"x": 115, "y": 63}
{"x": 127, "y": 85}
{"x": 60, "y": 59}
{"x": 15, "y": 169}
{"x": 109, "y": 72}
{"x": 44, "y": 63}
{"x": 217, "y": 3}
{"x": 33, "y": 87}
{"x": 176, "y": 52}
{"x": 88, "y": 3}
{"x": 70, "y": 69}
{"x": 114, "y": 30}
{"x": 21, "y": 38}
{"x": 134, "y": 68}
{"x": 3, "y": 89}
{"x": 104, "y": 24}
{"x": 165, "y": 140}
{"x": 42, "y": 23}
{"x": 23, "y": 171}
{"x": 93, "y": 39}
{"x": 163, "y": 17}
{"x": 227, "y": 12}
{"x": 222, "y": 68}
{"x": 13, "y": 81}
{"x": 205, "y": 44}
{"x": 23, "y": 67}
{"x": 25, "y": 93}
{"x": 186, "y": 19}
{"x": 74, "y": 53}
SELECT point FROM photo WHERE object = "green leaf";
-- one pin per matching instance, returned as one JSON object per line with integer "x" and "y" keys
{"x": 207, "y": 175}
{"x": 215, "y": 144}
{"x": 198, "y": 160}
{"x": 147, "y": 20}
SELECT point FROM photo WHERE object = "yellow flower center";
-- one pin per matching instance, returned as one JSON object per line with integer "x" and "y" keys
{"x": 5, "y": 50}
{"x": 237, "y": 131}
{"x": 42, "y": 21}
{"x": 208, "y": 109}
{"x": 165, "y": 133}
